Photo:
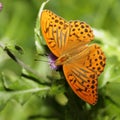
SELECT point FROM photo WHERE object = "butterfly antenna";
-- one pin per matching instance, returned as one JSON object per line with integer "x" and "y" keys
{"x": 41, "y": 60}
{"x": 45, "y": 55}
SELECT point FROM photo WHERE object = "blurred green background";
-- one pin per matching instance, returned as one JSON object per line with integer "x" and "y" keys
{"x": 29, "y": 96}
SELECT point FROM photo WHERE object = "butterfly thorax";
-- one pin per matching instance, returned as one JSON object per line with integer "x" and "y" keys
{"x": 62, "y": 59}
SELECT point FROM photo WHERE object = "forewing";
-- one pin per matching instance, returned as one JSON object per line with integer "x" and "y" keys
{"x": 80, "y": 34}
{"x": 80, "y": 31}
{"x": 55, "y": 31}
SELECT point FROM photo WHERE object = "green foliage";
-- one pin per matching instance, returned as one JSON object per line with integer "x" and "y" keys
{"x": 29, "y": 89}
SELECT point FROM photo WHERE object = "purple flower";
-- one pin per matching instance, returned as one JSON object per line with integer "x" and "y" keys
{"x": 1, "y": 6}
{"x": 51, "y": 59}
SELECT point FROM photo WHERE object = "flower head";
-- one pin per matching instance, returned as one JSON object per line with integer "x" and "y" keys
{"x": 1, "y": 6}
{"x": 52, "y": 59}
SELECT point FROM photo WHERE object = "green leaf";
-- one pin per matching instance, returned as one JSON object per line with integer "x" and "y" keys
{"x": 112, "y": 92}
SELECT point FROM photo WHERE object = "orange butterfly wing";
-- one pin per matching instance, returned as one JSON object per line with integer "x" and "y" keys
{"x": 80, "y": 31}
{"x": 55, "y": 31}
{"x": 82, "y": 73}
{"x": 58, "y": 32}
{"x": 82, "y": 64}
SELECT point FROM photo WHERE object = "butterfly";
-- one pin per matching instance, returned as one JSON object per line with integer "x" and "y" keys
{"x": 82, "y": 63}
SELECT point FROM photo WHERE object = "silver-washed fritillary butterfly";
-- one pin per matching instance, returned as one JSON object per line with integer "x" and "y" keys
{"x": 82, "y": 63}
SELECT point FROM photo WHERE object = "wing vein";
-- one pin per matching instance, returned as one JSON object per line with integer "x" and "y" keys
{"x": 61, "y": 44}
